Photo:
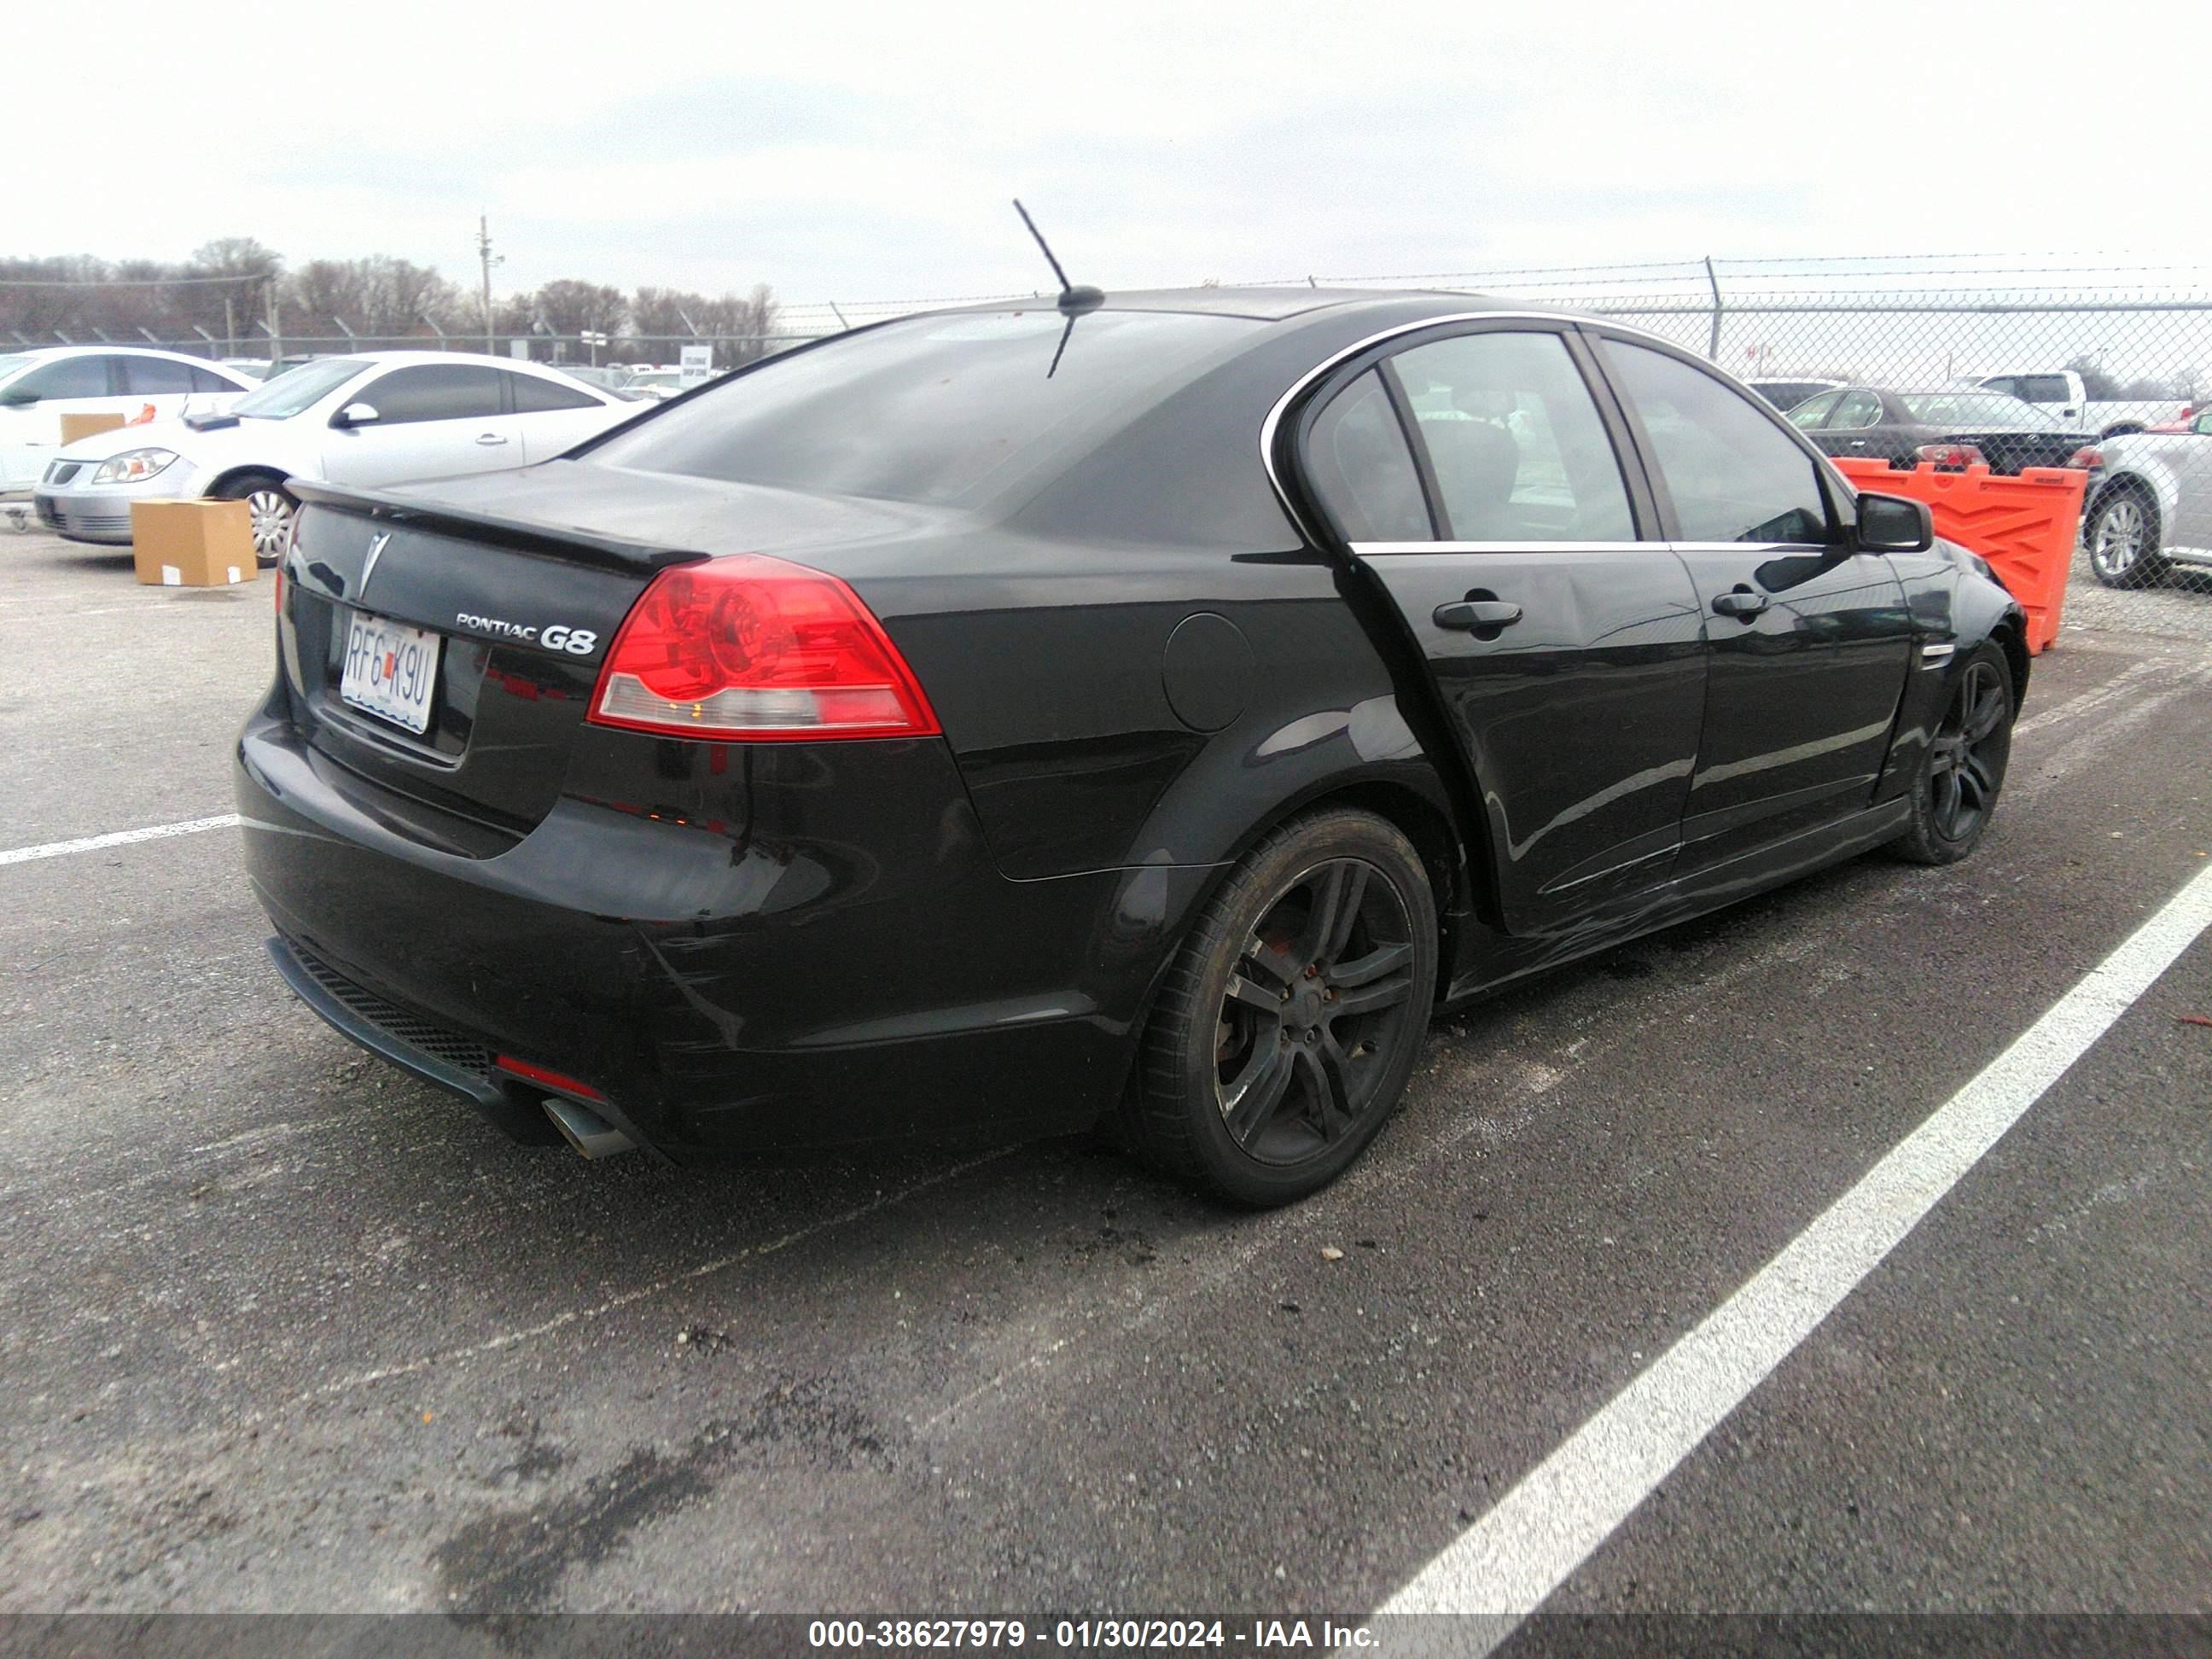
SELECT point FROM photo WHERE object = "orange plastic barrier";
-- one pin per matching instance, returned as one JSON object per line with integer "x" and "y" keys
{"x": 2025, "y": 526}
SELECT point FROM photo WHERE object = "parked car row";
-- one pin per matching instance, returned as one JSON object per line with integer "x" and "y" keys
{"x": 2147, "y": 504}
{"x": 1948, "y": 427}
{"x": 379, "y": 418}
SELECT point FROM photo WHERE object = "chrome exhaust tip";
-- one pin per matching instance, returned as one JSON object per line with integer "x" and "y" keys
{"x": 586, "y": 1130}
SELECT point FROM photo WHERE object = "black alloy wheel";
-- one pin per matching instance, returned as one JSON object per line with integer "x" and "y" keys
{"x": 1964, "y": 769}
{"x": 1288, "y": 1027}
{"x": 1320, "y": 991}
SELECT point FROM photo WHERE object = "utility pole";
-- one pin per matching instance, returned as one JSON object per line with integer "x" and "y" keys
{"x": 483, "y": 253}
{"x": 229, "y": 325}
{"x": 276, "y": 326}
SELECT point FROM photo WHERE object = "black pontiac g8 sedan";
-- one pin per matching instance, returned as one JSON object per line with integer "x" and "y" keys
{"x": 1143, "y": 711}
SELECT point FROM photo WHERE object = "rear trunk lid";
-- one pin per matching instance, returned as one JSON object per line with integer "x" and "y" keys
{"x": 521, "y": 581}
{"x": 2014, "y": 450}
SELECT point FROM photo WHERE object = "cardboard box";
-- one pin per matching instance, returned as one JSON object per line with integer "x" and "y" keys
{"x": 192, "y": 543}
{"x": 83, "y": 426}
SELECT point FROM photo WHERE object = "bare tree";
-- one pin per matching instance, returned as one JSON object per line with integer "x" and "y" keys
{"x": 570, "y": 307}
{"x": 750, "y": 317}
{"x": 659, "y": 313}
{"x": 378, "y": 297}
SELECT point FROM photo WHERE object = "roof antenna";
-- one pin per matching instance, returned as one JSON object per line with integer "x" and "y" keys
{"x": 1071, "y": 298}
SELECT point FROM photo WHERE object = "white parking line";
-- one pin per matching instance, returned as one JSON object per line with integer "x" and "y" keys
{"x": 54, "y": 849}
{"x": 1525, "y": 1547}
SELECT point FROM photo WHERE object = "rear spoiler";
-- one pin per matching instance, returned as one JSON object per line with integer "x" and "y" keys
{"x": 523, "y": 535}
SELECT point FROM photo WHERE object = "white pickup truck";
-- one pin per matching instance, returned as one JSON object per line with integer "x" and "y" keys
{"x": 2060, "y": 392}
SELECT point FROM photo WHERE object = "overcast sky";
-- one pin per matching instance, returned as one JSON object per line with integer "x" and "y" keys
{"x": 858, "y": 150}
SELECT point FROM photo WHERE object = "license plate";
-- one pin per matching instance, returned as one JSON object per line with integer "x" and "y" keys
{"x": 391, "y": 670}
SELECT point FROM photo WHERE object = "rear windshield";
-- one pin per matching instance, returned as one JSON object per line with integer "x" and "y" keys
{"x": 1787, "y": 394}
{"x": 941, "y": 410}
{"x": 1990, "y": 409}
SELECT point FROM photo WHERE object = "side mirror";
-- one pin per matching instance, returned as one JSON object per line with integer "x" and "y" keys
{"x": 1892, "y": 524}
{"x": 354, "y": 415}
{"x": 18, "y": 397}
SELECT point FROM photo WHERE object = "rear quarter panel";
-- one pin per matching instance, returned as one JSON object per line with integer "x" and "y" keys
{"x": 1060, "y": 701}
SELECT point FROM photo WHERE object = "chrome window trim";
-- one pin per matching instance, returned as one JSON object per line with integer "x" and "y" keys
{"x": 1752, "y": 547}
{"x": 1530, "y": 545}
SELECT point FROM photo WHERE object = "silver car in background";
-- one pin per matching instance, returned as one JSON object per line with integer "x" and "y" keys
{"x": 2151, "y": 510}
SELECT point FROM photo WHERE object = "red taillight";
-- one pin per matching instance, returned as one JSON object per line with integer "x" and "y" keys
{"x": 280, "y": 590}
{"x": 2086, "y": 457}
{"x": 546, "y": 1075}
{"x": 1950, "y": 455}
{"x": 755, "y": 649}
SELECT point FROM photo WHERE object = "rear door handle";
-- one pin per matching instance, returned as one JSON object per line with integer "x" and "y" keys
{"x": 1478, "y": 613}
{"x": 491, "y": 438}
{"x": 1739, "y": 602}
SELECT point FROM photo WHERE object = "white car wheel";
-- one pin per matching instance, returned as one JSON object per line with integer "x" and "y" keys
{"x": 2124, "y": 540}
{"x": 273, "y": 511}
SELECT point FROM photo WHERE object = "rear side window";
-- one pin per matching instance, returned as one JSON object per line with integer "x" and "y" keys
{"x": 1856, "y": 410}
{"x": 1810, "y": 413}
{"x": 1518, "y": 448}
{"x": 1731, "y": 474}
{"x": 434, "y": 391}
{"x": 533, "y": 396}
{"x": 146, "y": 377}
{"x": 1358, "y": 461}
{"x": 68, "y": 377}
{"x": 961, "y": 407}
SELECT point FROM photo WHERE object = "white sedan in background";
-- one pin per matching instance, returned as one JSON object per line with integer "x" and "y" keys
{"x": 376, "y": 418}
{"x": 40, "y": 385}
{"x": 2150, "y": 508}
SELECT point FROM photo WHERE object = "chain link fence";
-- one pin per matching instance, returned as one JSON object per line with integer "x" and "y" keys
{"x": 1917, "y": 360}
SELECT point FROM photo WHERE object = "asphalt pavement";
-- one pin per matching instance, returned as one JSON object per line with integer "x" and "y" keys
{"x": 282, "y": 1330}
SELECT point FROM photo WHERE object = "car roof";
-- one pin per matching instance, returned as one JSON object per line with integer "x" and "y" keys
{"x": 1270, "y": 304}
{"x": 390, "y": 359}
{"x": 107, "y": 347}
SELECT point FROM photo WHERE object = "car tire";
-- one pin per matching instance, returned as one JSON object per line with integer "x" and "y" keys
{"x": 1962, "y": 770}
{"x": 1289, "y": 1022}
{"x": 270, "y": 505}
{"x": 2123, "y": 538}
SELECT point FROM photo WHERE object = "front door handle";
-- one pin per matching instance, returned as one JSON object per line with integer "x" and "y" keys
{"x": 1858, "y": 443}
{"x": 491, "y": 438}
{"x": 1739, "y": 602}
{"x": 1472, "y": 613}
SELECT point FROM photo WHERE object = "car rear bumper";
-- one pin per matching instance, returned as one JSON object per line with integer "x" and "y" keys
{"x": 800, "y": 985}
